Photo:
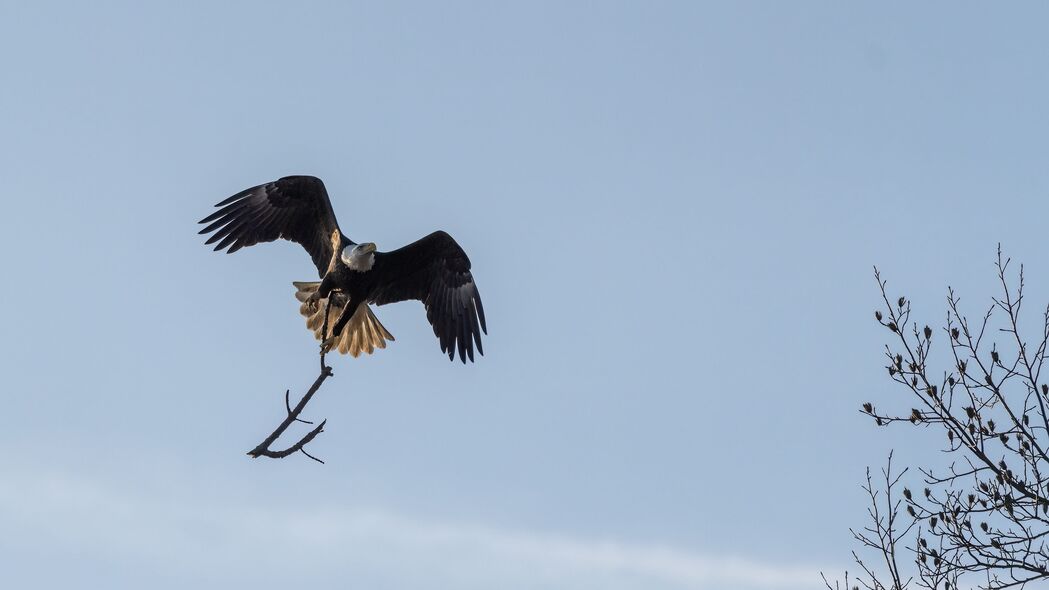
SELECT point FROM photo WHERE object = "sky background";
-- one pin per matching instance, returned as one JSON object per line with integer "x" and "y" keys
{"x": 672, "y": 210}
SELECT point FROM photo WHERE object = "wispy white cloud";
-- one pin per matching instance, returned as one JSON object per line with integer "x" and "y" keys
{"x": 112, "y": 523}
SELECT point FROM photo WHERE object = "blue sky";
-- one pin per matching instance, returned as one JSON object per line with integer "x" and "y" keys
{"x": 672, "y": 211}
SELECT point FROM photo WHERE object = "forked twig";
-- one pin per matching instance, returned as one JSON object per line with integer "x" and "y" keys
{"x": 263, "y": 448}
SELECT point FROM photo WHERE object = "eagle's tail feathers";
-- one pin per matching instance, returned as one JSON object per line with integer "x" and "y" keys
{"x": 363, "y": 333}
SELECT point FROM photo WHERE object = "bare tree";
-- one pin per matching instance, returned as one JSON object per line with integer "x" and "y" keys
{"x": 983, "y": 517}
{"x": 888, "y": 530}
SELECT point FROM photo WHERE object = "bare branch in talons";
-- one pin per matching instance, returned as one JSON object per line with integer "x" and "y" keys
{"x": 263, "y": 449}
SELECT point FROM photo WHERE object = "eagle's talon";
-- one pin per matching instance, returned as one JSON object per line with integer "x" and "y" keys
{"x": 313, "y": 302}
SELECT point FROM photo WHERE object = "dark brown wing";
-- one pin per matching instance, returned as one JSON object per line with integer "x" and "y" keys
{"x": 436, "y": 271}
{"x": 295, "y": 208}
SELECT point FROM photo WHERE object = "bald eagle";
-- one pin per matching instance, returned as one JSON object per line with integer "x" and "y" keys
{"x": 434, "y": 269}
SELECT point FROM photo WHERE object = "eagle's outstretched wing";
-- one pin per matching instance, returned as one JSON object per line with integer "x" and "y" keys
{"x": 295, "y": 208}
{"x": 436, "y": 271}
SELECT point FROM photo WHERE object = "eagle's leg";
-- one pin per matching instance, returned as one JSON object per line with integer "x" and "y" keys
{"x": 347, "y": 313}
{"x": 336, "y": 329}
{"x": 323, "y": 291}
{"x": 326, "y": 343}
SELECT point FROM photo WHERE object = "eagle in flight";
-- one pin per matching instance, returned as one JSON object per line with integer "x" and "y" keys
{"x": 434, "y": 269}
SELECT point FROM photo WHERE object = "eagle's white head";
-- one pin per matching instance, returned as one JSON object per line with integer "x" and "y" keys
{"x": 359, "y": 257}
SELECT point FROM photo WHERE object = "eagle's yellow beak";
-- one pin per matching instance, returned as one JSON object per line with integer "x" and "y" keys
{"x": 367, "y": 247}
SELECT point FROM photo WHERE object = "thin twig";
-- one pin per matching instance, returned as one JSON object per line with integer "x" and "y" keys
{"x": 287, "y": 406}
